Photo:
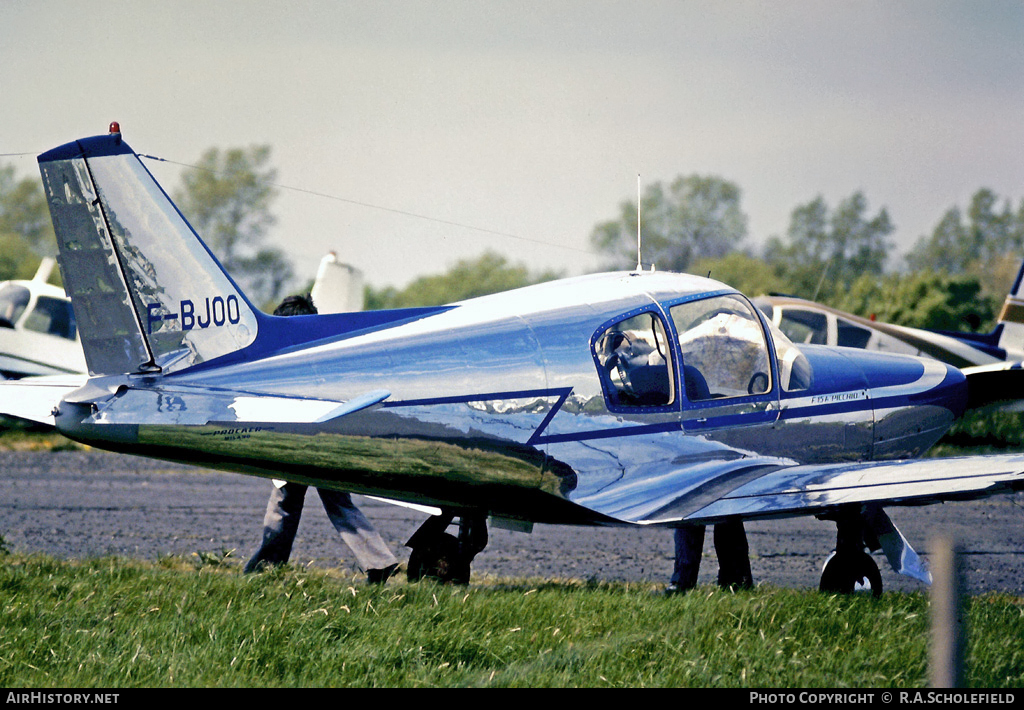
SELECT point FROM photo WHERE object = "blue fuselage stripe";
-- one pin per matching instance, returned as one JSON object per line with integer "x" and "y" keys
{"x": 561, "y": 392}
{"x": 636, "y": 430}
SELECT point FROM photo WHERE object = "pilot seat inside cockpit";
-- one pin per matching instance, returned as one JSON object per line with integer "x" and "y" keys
{"x": 634, "y": 361}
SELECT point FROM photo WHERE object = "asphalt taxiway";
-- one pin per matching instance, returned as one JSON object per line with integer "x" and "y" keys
{"x": 75, "y": 504}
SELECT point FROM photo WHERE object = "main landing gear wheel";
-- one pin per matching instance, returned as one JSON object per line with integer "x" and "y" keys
{"x": 850, "y": 571}
{"x": 437, "y": 554}
{"x": 439, "y": 559}
{"x": 850, "y": 568}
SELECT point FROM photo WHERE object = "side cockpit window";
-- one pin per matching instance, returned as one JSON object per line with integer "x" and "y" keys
{"x": 634, "y": 360}
{"x": 52, "y": 316}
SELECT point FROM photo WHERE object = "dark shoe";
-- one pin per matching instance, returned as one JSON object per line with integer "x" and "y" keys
{"x": 254, "y": 565}
{"x": 380, "y": 576}
{"x": 736, "y": 585}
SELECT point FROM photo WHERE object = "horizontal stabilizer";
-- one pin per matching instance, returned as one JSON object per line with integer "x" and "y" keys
{"x": 197, "y": 406}
{"x": 261, "y": 408}
{"x": 34, "y": 398}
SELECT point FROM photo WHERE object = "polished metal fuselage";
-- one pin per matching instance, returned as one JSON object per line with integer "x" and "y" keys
{"x": 498, "y": 405}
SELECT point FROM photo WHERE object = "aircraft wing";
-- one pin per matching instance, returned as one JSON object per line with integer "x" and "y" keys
{"x": 999, "y": 386}
{"x": 34, "y": 398}
{"x": 786, "y": 491}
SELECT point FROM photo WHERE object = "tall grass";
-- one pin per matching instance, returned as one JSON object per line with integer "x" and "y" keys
{"x": 117, "y": 623}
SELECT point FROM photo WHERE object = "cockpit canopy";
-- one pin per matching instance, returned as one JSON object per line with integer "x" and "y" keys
{"x": 719, "y": 342}
{"x": 49, "y": 315}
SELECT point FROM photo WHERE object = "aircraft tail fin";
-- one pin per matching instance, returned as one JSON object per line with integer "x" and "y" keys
{"x": 1011, "y": 317}
{"x": 148, "y": 295}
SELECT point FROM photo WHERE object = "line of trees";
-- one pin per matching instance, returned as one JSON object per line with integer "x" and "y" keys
{"x": 842, "y": 254}
{"x": 954, "y": 278}
{"x": 226, "y": 196}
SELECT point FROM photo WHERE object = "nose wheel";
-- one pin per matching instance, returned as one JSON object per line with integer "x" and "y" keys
{"x": 850, "y": 568}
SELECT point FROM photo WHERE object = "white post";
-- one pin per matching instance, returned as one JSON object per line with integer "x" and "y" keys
{"x": 949, "y": 635}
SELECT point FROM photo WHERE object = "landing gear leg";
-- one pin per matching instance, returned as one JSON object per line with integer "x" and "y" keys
{"x": 850, "y": 565}
{"x": 442, "y": 556}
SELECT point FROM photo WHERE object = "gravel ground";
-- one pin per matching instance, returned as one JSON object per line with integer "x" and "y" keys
{"x": 74, "y": 504}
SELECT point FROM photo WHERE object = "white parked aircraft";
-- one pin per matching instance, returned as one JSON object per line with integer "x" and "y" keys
{"x": 38, "y": 335}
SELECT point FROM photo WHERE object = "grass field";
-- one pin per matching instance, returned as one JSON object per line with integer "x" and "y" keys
{"x": 200, "y": 623}
{"x": 111, "y": 622}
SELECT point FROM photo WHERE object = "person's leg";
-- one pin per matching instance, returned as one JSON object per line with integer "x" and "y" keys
{"x": 371, "y": 552}
{"x": 733, "y": 555}
{"x": 280, "y": 523}
{"x": 689, "y": 544}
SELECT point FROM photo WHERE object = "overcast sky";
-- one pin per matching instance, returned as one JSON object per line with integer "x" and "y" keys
{"x": 532, "y": 118}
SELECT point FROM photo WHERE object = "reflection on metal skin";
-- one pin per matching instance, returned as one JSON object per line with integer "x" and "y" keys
{"x": 476, "y": 410}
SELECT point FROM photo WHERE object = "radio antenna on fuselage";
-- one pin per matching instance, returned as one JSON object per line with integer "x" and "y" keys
{"x": 639, "y": 263}
{"x": 639, "y": 243}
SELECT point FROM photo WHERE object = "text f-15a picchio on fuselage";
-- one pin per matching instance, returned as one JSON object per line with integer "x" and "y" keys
{"x": 614, "y": 399}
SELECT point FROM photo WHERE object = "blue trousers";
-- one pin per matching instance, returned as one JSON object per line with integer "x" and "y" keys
{"x": 730, "y": 546}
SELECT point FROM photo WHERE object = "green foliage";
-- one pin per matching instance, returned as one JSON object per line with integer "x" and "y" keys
{"x": 227, "y": 199}
{"x": 981, "y": 432}
{"x": 23, "y": 212}
{"x": 695, "y": 217}
{"x": 958, "y": 245}
{"x": 923, "y": 300}
{"x": 115, "y": 623}
{"x": 984, "y": 242}
{"x": 26, "y": 232}
{"x": 17, "y": 260}
{"x": 826, "y": 250}
{"x": 468, "y": 278}
{"x": 748, "y": 274}
{"x": 19, "y": 435}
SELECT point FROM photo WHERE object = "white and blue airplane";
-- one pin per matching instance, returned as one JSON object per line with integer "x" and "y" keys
{"x": 633, "y": 398}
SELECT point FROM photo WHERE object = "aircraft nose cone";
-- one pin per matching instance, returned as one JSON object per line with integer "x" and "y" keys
{"x": 915, "y": 401}
{"x": 951, "y": 392}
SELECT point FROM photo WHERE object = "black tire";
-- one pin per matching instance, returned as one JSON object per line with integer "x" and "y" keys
{"x": 441, "y": 560}
{"x": 844, "y": 570}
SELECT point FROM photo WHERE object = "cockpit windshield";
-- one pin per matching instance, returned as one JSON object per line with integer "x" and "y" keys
{"x": 725, "y": 353}
{"x": 794, "y": 368}
{"x": 724, "y": 349}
